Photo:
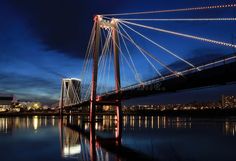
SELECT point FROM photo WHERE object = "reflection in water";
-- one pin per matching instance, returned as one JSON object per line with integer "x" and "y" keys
{"x": 4, "y": 125}
{"x": 79, "y": 142}
{"x": 35, "y": 122}
{"x": 79, "y": 139}
{"x": 70, "y": 143}
{"x": 8, "y": 124}
{"x": 159, "y": 137}
{"x": 229, "y": 128}
{"x": 155, "y": 122}
{"x": 107, "y": 123}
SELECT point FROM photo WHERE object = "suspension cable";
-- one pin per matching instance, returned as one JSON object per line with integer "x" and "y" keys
{"x": 175, "y": 10}
{"x": 131, "y": 60}
{"x": 104, "y": 69}
{"x": 148, "y": 53}
{"x": 110, "y": 61}
{"x": 160, "y": 46}
{"x": 88, "y": 51}
{"x": 103, "y": 57}
{"x": 182, "y": 34}
{"x": 178, "y": 19}
{"x": 122, "y": 54}
{"x": 139, "y": 48}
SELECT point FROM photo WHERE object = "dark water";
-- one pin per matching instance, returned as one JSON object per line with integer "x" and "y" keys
{"x": 145, "y": 137}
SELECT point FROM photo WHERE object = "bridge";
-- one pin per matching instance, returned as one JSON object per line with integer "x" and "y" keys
{"x": 125, "y": 59}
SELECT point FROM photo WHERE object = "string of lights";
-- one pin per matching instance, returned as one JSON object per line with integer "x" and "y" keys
{"x": 175, "y": 10}
{"x": 182, "y": 34}
{"x": 180, "y": 19}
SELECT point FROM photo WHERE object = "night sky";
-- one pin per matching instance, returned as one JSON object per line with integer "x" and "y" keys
{"x": 43, "y": 41}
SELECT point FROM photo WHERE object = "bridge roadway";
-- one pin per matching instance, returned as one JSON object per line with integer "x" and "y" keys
{"x": 216, "y": 73}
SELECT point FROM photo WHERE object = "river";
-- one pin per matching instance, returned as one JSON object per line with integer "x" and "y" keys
{"x": 161, "y": 138}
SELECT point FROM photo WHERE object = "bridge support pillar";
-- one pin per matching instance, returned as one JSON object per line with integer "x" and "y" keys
{"x": 62, "y": 98}
{"x": 119, "y": 124}
{"x": 93, "y": 104}
{"x": 95, "y": 69}
{"x": 92, "y": 147}
{"x": 117, "y": 79}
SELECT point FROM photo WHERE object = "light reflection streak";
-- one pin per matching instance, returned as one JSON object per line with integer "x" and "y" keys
{"x": 108, "y": 123}
{"x": 35, "y": 122}
{"x": 7, "y": 124}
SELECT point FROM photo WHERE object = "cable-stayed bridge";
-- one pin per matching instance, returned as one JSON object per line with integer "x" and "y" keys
{"x": 128, "y": 56}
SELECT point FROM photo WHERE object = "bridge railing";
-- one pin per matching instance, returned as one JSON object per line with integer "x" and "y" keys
{"x": 184, "y": 72}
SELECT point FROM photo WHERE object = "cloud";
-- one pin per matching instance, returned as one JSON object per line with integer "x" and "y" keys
{"x": 198, "y": 57}
{"x": 62, "y": 25}
{"x": 30, "y": 86}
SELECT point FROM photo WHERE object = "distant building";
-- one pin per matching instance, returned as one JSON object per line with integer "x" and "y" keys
{"x": 6, "y": 102}
{"x": 228, "y": 101}
{"x": 71, "y": 90}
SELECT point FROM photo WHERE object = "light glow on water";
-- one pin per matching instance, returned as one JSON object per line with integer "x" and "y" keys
{"x": 139, "y": 133}
{"x": 35, "y": 122}
{"x": 72, "y": 150}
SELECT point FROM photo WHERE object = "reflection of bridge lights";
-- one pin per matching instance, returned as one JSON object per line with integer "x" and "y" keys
{"x": 229, "y": 128}
{"x": 53, "y": 121}
{"x": 145, "y": 122}
{"x": 132, "y": 121}
{"x": 152, "y": 125}
{"x": 86, "y": 126}
{"x": 35, "y": 122}
{"x": 139, "y": 121}
{"x": 27, "y": 122}
{"x": 3, "y": 124}
{"x": 72, "y": 150}
{"x": 45, "y": 121}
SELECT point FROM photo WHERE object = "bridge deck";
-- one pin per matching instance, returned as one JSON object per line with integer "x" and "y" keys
{"x": 218, "y": 75}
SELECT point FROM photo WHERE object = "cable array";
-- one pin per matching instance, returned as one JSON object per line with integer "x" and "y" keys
{"x": 132, "y": 52}
{"x": 182, "y": 34}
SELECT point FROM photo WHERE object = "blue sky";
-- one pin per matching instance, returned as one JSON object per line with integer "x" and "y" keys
{"x": 43, "y": 41}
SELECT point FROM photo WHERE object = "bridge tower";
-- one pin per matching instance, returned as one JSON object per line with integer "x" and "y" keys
{"x": 112, "y": 24}
{"x": 70, "y": 92}
{"x": 93, "y": 96}
{"x": 99, "y": 24}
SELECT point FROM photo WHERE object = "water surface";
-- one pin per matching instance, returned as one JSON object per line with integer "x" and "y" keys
{"x": 161, "y": 138}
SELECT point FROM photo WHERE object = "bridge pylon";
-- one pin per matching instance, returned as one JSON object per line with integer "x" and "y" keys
{"x": 70, "y": 93}
{"x": 100, "y": 23}
{"x": 95, "y": 68}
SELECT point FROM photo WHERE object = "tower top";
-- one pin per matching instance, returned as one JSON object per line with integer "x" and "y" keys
{"x": 106, "y": 23}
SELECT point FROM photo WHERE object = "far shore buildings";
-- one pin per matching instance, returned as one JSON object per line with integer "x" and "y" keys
{"x": 228, "y": 101}
{"x": 6, "y": 101}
